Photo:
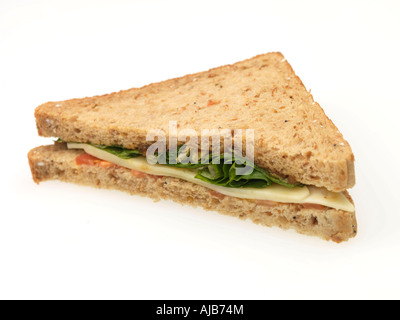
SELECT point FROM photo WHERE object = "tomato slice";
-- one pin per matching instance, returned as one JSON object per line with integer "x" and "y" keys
{"x": 105, "y": 164}
{"x": 267, "y": 203}
{"x": 86, "y": 159}
{"x": 137, "y": 174}
{"x": 217, "y": 194}
{"x": 313, "y": 206}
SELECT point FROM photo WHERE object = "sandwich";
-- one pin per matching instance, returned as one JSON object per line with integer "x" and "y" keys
{"x": 293, "y": 174}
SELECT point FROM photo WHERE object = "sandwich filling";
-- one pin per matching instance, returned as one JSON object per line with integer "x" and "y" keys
{"x": 257, "y": 185}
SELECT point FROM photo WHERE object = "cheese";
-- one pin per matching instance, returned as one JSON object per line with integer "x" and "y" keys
{"x": 275, "y": 192}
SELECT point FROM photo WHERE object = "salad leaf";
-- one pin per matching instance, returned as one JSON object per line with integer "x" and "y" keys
{"x": 220, "y": 171}
{"x": 180, "y": 158}
{"x": 119, "y": 151}
{"x": 225, "y": 174}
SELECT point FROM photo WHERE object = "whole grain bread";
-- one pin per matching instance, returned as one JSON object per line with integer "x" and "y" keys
{"x": 57, "y": 162}
{"x": 293, "y": 136}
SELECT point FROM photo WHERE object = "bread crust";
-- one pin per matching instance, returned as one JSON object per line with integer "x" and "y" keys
{"x": 57, "y": 162}
{"x": 293, "y": 137}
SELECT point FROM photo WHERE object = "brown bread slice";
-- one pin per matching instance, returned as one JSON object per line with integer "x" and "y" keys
{"x": 293, "y": 136}
{"x": 57, "y": 162}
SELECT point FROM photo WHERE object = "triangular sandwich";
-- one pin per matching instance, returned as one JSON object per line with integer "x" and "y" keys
{"x": 299, "y": 164}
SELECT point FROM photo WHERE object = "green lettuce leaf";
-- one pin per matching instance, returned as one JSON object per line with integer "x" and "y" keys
{"x": 118, "y": 151}
{"x": 221, "y": 171}
{"x": 224, "y": 174}
{"x": 221, "y": 174}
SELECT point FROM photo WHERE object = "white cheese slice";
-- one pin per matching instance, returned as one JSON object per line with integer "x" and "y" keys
{"x": 327, "y": 198}
{"x": 275, "y": 192}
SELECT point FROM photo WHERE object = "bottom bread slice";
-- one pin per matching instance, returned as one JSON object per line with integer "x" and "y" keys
{"x": 57, "y": 162}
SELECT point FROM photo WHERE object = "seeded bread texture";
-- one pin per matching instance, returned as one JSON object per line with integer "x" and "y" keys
{"x": 57, "y": 162}
{"x": 293, "y": 136}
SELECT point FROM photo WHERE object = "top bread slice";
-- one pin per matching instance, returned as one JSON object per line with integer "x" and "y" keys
{"x": 293, "y": 136}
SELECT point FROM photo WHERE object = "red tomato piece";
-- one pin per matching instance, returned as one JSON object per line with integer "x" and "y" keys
{"x": 86, "y": 159}
{"x": 313, "y": 206}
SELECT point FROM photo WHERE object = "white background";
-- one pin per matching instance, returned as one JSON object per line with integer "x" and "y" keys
{"x": 64, "y": 241}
